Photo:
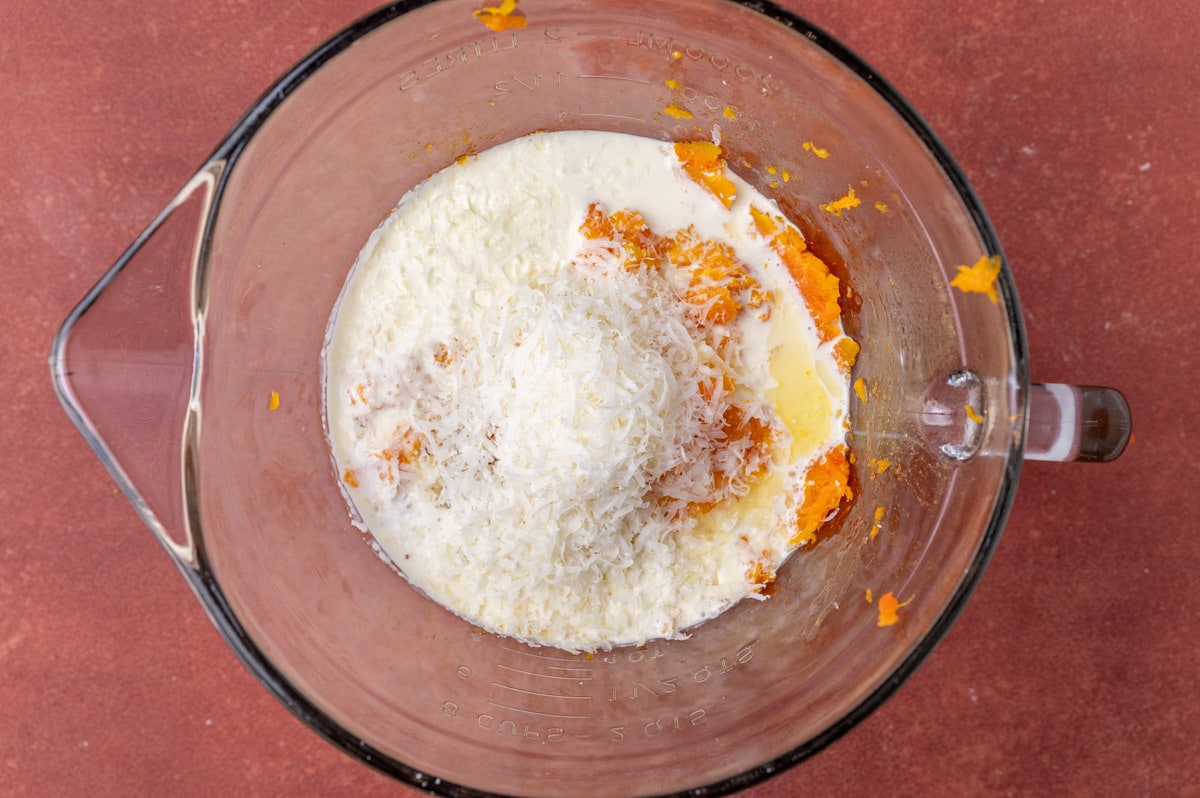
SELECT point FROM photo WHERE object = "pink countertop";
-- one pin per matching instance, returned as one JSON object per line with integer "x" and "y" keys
{"x": 1074, "y": 669}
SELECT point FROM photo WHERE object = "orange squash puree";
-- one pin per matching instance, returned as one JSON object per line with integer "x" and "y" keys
{"x": 404, "y": 451}
{"x": 815, "y": 150}
{"x": 878, "y": 525}
{"x": 817, "y": 285}
{"x": 979, "y": 278}
{"x": 845, "y": 203}
{"x": 737, "y": 425}
{"x": 502, "y": 17}
{"x": 641, "y": 247}
{"x": 704, "y": 162}
{"x": 443, "y": 356}
{"x": 360, "y": 394}
{"x": 845, "y": 352}
{"x": 888, "y": 609}
{"x": 677, "y": 111}
{"x": 719, "y": 284}
{"x": 761, "y": 573}
{"x": 826, "y": 484}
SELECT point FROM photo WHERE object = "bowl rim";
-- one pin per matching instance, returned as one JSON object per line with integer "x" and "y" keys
{"x": 198, "y": 572}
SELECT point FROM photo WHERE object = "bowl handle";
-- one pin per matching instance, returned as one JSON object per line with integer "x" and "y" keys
{"x": 1076, "y": 422}
{"x": 124, "y": 360}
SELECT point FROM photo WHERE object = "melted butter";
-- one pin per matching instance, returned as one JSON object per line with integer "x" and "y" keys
{"x": 803, "y": 399}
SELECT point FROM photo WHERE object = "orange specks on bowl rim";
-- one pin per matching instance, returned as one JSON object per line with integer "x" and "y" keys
{"x": 980, "y": 277}
{"x": 878, "y": 525}
{"x": 889, "y": 607}
{"x": 502, "y": 17}
{"x": 844, "y": 203}
{"x": 815, "y": 150}
{"x": 677, "y": 111}
{"x": 860, "y": 390}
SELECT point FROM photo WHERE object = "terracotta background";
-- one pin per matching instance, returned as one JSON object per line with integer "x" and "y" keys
{"x": 1074, "y": 669}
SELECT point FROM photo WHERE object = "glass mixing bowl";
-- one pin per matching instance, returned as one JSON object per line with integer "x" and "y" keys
{"x": 194, "y": 370}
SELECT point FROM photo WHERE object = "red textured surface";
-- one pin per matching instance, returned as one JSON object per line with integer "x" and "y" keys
{"x": 1074, "y": 669}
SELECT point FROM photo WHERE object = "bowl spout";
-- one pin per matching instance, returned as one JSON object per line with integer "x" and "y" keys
{"x": 123, "y": 363}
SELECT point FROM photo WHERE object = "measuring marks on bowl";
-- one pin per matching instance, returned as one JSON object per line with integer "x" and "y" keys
{"x": 542, "y": 686}
{"x": 548, "y": 697}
